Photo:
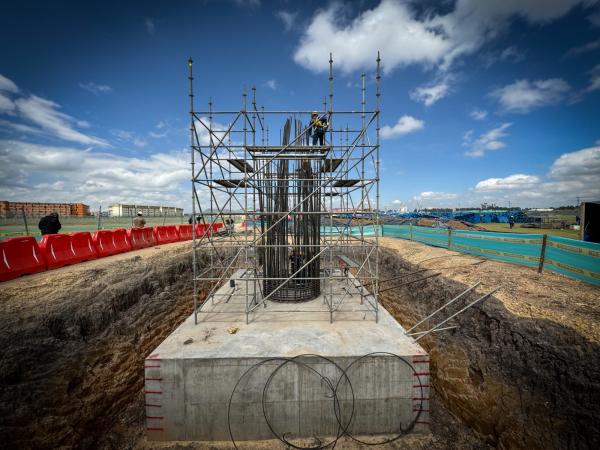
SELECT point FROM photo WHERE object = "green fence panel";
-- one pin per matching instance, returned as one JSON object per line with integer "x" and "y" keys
{"x": 577, "y": 259}
{"x": 396, "y": 231}
{"x": 511, "y": 247}
{"x": 438, "y": 237}
{"x": 367, "y": 231}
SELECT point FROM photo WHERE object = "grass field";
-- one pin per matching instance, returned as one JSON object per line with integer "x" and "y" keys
{"x": 16, "y": 227}
{"x": 503, "y": 227}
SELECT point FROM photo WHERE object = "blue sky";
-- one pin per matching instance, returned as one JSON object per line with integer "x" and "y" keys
{"x": 481, "y": 101}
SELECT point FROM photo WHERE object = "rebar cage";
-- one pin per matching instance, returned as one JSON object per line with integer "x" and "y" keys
{"x": 305, "y": 215}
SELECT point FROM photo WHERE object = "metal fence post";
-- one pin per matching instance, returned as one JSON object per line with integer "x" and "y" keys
{"x": 25, "y": 220}
{"x": 449, "y": 238}
{"x": 410, "y": 231}
{"x": 542, "y": 253}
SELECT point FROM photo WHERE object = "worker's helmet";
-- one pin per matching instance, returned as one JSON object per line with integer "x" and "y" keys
{"x": 139, "y": 213}
{"x": 315, "y": 113}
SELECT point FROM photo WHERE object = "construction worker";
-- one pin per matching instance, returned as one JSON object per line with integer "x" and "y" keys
{"x": 318, "y": 127}
{"x": 50, "y": 224}
{"x": 139, "y": 221}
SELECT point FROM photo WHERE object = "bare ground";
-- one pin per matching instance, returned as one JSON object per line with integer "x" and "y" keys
{"x": 521, "y": 368}
{"x": 520, "y": 371}
{"x": 74, "y": 341}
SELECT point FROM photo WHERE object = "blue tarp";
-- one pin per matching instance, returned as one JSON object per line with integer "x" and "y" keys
{"x": 499, "y": 216}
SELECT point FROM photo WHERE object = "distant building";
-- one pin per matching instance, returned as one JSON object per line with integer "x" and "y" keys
{"x": 121, "y": 210}
{"x": 11, "y": 209}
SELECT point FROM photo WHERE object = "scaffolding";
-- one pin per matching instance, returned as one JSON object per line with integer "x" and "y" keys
{"x": 306, "y": 213}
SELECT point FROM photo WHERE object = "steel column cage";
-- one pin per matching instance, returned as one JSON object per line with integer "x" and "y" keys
{"x": 309, "y": 212}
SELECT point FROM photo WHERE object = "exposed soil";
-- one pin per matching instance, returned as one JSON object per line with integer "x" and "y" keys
{"x": 521, "y": 369}
{"x": 74, "y": 341}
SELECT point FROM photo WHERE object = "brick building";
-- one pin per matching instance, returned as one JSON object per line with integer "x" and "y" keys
{"x": 11, "y": 209}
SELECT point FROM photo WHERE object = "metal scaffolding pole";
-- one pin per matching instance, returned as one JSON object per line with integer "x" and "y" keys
{"x": 299, "y": 203}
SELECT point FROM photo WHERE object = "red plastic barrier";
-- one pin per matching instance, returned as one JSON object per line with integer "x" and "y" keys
{"x": 202, "y": 230}
{"x": 173, "y": 233}
{"x": 20, "y": 256}
{"x": 84, "y": 246}
{"x": 58, "y": 250}
{"x": 148, "y": 234}
{"x": 216, "y": 226}
{"x": 104, "y": 242}
{"x": 121, "y": 241}
{"x": 136, "y": 238}
{"x": 184, "y": 232}
{"x": 165, "y": 234}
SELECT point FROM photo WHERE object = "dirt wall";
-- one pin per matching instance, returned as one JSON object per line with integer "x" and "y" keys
{"x": 521, "y": 381}
{"x": 74, "y": 340}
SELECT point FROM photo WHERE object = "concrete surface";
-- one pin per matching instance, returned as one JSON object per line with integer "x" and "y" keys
{"x": 191, "y": 375}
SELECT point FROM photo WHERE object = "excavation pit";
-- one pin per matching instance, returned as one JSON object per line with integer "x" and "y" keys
{"x": 224, "y": 378}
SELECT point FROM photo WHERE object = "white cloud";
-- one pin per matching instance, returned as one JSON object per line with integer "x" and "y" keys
{"x": 594, "y": 79}
{"x": 490, "y": 140}
{"x": 45, "y": 114}
{"x": 432, "y": 93}
{"x": 406, "y": 37}
{"x": 578, "y": 165}
{"x": 435, "y": 199}
{"x": 522, "y": 96}
{"x": 271, "y": 84}
{"x": 510, "y": 54}
{"x": 19, "y": 127}
{"x": 247, "y": 3}
{"x": 70, "y": 174}
{"x": 478, "y": 114}
{"x": 96, "y": 88}
{"x": 164, "y": 130}
{"x": 594, "y": 19}
{"x": 204, "y": 136}
{"x": 288, "y": 18}
{"x": 474, "y": 22}
{"x": 8, "y": 85}
{"x": 585, "y": 48}
{"x": 6, "y": 104}
{"x": 149, "y": 25}
{"x": 139, "y": 142}
{"x": 572, "y": 175}
{"x": 517, "y": 181}
{"x": 406, "y": 124}
{"x": 389, "y": 27}
{"x": 129, "y": 137}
